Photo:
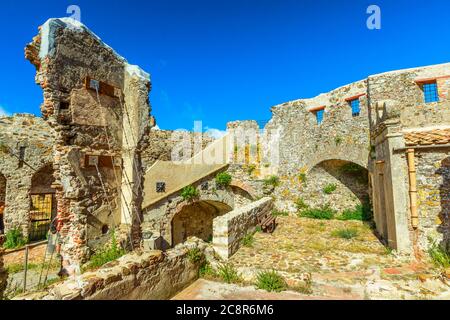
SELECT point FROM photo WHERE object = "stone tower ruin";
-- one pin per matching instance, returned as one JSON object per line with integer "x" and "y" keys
{"x": 98, "y": 106}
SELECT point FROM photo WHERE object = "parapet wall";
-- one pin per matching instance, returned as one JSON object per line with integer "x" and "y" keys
{"x": 230, "y": 229}
{"x": 146, "y": 276}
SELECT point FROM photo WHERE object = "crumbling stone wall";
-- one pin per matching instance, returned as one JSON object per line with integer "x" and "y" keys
{"x": 398, "y": 108}
{"x": 159, "y": 216}
{"x": 98, "y": 106}
{"x": 301, "y": 144}
{"x": 403, "y": 89}
{"x": 26, "y": 145}
{"x": 433, "y": 185}
{"x": 153, "y": 275}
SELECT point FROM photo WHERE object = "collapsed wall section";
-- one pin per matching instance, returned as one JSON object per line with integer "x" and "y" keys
{"x": 98, "y": 106}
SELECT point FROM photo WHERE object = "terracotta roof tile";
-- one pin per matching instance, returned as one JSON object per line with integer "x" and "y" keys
{"x": 436, "y": 136}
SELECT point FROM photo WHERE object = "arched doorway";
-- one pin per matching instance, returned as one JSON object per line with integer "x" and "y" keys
{"x": 342, "y": 184}
{"x": 42, "y": 203}
{"x": 2, "y": 201}
{"x": 196, "y": 219}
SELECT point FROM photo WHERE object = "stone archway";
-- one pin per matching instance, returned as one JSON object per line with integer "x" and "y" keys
{"x": 340, "y": 183}
{"x": 196, "y": 219}
{"x": 2, "y": 201}
{"x": 42, "y": 203}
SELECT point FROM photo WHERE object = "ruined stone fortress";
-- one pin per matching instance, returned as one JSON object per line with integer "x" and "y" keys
{"x": 93, "y": 166}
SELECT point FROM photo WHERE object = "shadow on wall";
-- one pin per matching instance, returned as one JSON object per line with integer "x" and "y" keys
{"x": 444, "y": 191}
{"x": 350, "y": 175}
{"x": 196, "y": 219}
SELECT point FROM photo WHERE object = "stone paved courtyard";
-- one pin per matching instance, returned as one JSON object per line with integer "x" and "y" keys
{"x": 358, "y": 268}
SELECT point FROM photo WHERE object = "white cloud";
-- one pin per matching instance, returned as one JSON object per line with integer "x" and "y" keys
{"x": 215, "y": 133}
{"x": 3, "y": 112}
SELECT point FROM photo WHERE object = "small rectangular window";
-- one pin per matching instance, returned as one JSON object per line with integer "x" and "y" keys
{"x": 430, "y": 92}
{"x": 205, "y": 185}
{"x": 21, "y": 156}
{"x": 160, "y": 187}
{"x": 319, "y": 116}
{"x": 356, "y": 110}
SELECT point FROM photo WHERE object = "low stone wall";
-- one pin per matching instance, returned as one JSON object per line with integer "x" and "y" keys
{"x": 153, "y": 275}
{"x": 230, "y": 229}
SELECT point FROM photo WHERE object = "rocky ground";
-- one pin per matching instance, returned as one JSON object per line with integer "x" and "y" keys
{"x": 357, "y": 268}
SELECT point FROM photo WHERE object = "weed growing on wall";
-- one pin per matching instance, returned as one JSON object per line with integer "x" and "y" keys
{"x": 330, "y": 188}
{"x": 272, "y": 181}
{"x": 223, "y": 179}
{"x": 189, "y": 193}
{"x": 195, "y": 255}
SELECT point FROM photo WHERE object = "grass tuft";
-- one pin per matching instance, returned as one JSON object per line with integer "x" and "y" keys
{"x": 228, "y": 273}
{"x": 270, "y": 281}
{"x": 360, "y": 213}
{"x": 346, "y": 233}
{"x": 14, "y": 239}
{"x": 323, "y": 213}
{"x": 107, "y": 254}
{"x": 439, "y": 256}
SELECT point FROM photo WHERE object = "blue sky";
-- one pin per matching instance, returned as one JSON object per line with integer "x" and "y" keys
{"x": 219, "y": 61}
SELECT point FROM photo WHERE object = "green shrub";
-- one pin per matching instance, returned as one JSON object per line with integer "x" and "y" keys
{"x": 189, "y": 193}
{"x": 439, "y": 256}
{"x": 272, "y": 181}
{"x": 195, "y": 255}
{"x": 329, "y": 188}
{"x": 361, "y": 213}
{"x": 338, "y": 140}
{"x": 323, "y": 213}
{"x": 14, "y": 239}
{"x": 207, "y": 271}
{"x": 345, "y": 233}
{"x": 278, "y": 213}
{"x": 228, "y": 273}
{"x": 301, "y": 205}
{"x": 107, "y": 254}
{"x": 248, "y": 240}
{"x": 270, "y": 281}
{"x": 223, "y": 179}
